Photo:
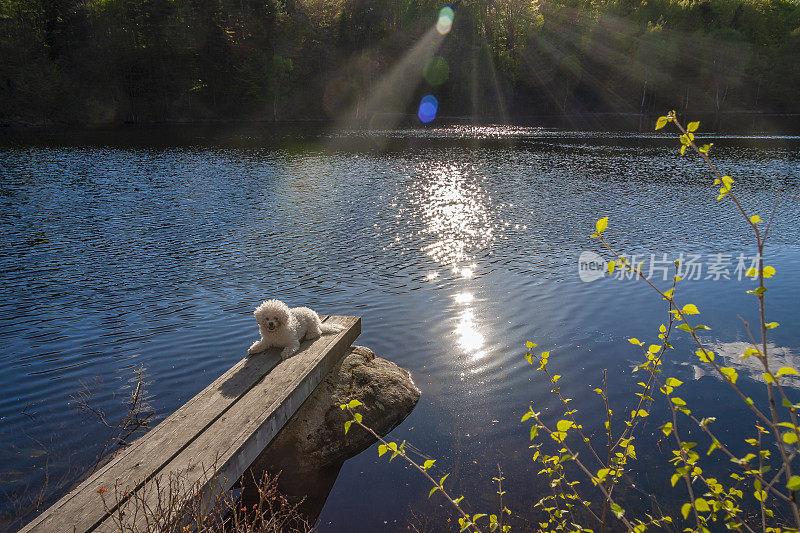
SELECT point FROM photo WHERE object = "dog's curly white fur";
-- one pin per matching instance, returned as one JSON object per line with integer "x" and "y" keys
{"x": 286, "y": 328}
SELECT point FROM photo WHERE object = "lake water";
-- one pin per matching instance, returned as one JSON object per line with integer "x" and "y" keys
{"x": 150, "y": 247}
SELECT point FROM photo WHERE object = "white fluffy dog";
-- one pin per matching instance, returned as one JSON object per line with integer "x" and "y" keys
{"x": 286, "y": 328}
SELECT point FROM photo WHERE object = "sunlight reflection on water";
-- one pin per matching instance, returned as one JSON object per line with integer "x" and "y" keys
{"x": 455, "y": 211}
{"x": 456, "y": 217}
{"x": 469, "y": 338}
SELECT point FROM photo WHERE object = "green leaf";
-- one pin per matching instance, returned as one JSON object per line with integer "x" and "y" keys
{"x": 789, "y": 438}
{"x": 685, "y": 509}
{"x": 434, "y": 489}
{"x": 617, "y": 510}
{"x": 611, "y": 266}
{"x": 705, "y": 356}
{"x": 564, "y": 425}
{"x": 427, "y": 464}
{"x": 667, "y": 430}
{"x": 787, "y": 370}
{"x": 601, "y": 225}
{"x": 347, "y": 426}
{"x": 527, "y": 416}
{"x": 382, "y": 449}
{"x": 750, "y": 351}
{"x": 771, "y": 325}
{"x": 769, "y": 271}
{"x": 755, "y": 219}
{"x": 690, "y": 309}
{"x": 793, "y": 483}
{"x": 674, "y": 382}
{"x": 358, "y": 417}
{"x": 692, "y": 126}
{"x": 635, "y": 341}
{"x": 714, "y": 446}
{"x": 729, "y": 373}
{"x": 701, "y": 505}
{"x": 531, "y": 345}
{"x": 353, "y": 404}
{"x": 661, "y": 122}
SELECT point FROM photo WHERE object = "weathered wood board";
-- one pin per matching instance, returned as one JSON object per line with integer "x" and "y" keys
{"x": 219, "y": 431}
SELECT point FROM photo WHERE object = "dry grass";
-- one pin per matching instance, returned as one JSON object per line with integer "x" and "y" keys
{"x": 181, "y": 506}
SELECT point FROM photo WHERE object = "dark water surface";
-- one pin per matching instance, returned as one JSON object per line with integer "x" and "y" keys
{"x": 151, "y": 247}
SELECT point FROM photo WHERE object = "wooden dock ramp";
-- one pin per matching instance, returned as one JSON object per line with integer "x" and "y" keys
{"x": 218, "y": 432}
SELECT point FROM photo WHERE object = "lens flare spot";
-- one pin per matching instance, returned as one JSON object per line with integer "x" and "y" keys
{"x": 428, "y": 108}
{"x": 445, "y": 22}
{"x": 436, "y": 71}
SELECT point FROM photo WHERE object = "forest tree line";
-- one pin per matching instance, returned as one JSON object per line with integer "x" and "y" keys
{"x": 107, "y": 61}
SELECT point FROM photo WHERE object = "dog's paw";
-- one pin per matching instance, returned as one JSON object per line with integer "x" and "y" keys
{"x": 256, "y": 347}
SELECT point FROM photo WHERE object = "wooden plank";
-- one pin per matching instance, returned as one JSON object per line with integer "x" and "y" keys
{"x": 82, "y": 509}
{"x": 225, "y": 450}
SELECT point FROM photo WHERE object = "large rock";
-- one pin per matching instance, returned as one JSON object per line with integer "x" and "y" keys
{"x": 311, "y": 448}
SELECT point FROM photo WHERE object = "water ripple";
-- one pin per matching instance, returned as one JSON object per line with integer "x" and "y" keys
{"x": 456, "y": 253}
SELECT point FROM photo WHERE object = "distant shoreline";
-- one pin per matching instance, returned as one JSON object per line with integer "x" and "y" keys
{"x": 723, "y": 122}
